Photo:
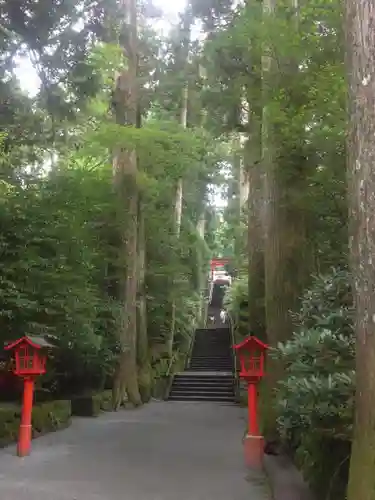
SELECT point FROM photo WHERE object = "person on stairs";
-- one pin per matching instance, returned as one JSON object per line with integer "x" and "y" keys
{"x": 223, "y": 316}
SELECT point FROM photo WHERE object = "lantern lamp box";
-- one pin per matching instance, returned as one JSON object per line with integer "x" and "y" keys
{"x": 251, "y": 353}
{"x": 30, "y": 355}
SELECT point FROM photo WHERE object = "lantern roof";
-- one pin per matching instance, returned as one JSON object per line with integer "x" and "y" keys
{"x": 31, "y": 340}
{"x": 251, "y": 342}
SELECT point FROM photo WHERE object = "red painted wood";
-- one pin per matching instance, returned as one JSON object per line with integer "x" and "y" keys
{"x": 29, "y": 358}
{"x": 253, "y": 427}
{"x": 251, "y": 343}
{"x": 218, "y": 262}
{"x": 24, "y": 438}
{"x": 30, "y": 361}
{"x": 23, "y": 340}
{"x": 251, "y": 352}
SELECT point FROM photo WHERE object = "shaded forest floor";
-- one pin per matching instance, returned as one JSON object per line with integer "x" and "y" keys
{"x": 164, "y": 451}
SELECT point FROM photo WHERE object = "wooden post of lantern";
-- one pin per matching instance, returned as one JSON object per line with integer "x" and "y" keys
{"x": 30, "y": 362}
{"x": 252, "y": 356}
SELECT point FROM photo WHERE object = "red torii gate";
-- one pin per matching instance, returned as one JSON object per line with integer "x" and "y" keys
{"x": 217, "y": 262}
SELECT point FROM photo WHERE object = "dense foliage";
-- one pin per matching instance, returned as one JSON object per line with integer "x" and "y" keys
{"x": 316, "y": 397}
{"x": 54, "y": 270}
{"x": 256, "y": 107}
{"x": 62, "y": 270}
{"x": 275, "y": 83}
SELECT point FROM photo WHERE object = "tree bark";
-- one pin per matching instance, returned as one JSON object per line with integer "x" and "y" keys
{"x": 125, "y": 183}
{"x": 185, "y": 32}
{"x": 287, "y": 254}
{"x": 255, "y": 235}
{"x": 255, "y": 169}
{"x": 240, "y": 187}
{"x": 360, "y": 29}
{"x": 143, "y": 355}
{"x": 179, "y": 188}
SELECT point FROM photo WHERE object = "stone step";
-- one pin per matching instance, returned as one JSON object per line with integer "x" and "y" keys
{"x": 213, "y": 366}
{"x": 212, "y": 356}
{"x": 217, "y": 361}
{"x": 203, "y": 378}
{"x": 197, "y": 398}
{"x": 204, "y": 381}
{"x": 210, "y": 374}
{"x": 218, "y": 341}
{"x": 212, "y": 363}
{"x": 207, "y": 353}
{"x": 208, "y": 369}
{"x": 212, "y": 342}
{"x": 200, "y": 391}
{"x": 211, "y": 349}
{"x": 201, "y": 385}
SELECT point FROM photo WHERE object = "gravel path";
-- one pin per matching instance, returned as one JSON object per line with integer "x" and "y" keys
{"x": 163, "y": 451}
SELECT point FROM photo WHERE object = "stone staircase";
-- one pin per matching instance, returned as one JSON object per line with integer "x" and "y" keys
{"x": 209, "y": 376}
{"x": 212, "y": 351}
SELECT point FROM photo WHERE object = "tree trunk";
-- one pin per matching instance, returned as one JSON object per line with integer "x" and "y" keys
{"x": 244, "y": 185}
{"x": 179, "y": 187}
{"x": 143, "y": 355}
{"x": 202, "y": 276}
{"x": 255, "y": 169}
{"x": 268, "y": 70}
{"x": 287, "y": 254}
{"x": 360, "y": 28}
{"x": 125, "y": 183}
{"x": 255, "y": 234}
{"x": 241, "y": 193}
{"x": 126, "y": 374}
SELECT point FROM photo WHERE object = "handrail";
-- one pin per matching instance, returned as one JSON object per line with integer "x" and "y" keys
{"x": 172, "y": 360}
{"x": 231, "y": 328}
{"x": 190, "y": 350}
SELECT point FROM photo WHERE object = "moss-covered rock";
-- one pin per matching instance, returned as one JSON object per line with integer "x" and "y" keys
{"x": 87, "y": 405}
{"x": 46, "y": 417}
{"x": 106, "y": 400}
{"x": 90, "y": 405}
{"x": 161, "y": 387}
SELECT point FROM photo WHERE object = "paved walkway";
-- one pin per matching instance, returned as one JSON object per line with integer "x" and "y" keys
{"x": 164, "y": 451}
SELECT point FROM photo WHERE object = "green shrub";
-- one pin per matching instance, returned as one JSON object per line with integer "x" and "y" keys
{"x": 316, "y": 398}
{"x": 51, "y": 231}
{"x": 9, "y": 423}
{"x": 51, "y": 416}
{"x": 235, "y": 302}
{"x": 325, "y": 463}
{"x": 46, "y": 417}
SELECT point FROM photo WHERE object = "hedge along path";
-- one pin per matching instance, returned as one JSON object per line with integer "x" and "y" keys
{"x": 51, "y": 416}
{"x": 47, "y": 417}
{"x": 163, "y": 451}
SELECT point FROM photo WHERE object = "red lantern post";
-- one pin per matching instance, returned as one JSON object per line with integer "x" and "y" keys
{"x": 252, "y": 353}
{"x": 30, "y": 362}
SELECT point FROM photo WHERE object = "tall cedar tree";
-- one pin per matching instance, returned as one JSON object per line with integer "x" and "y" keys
{"x": 360, "y": 28}
{"x": 125, "y": 181}
{"x": 287, "y": 260}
